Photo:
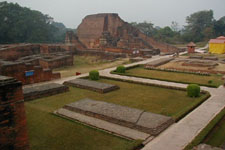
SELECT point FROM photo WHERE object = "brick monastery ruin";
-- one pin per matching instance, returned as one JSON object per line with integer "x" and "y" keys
{"x": 105, "y": 35}
{"x": 108, "y": 32}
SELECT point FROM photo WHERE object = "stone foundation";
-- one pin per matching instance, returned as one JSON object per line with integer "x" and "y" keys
{"x": 40, "y": 91}
{"x": 200, "y": 63}
{"x": 133, "y": 118}
{"x": 91, "y": 85}
{"x": 159, "y": 62}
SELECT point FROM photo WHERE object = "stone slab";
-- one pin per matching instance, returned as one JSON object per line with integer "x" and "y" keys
{"x": 92, "y": 85}
{"x": 104, "y": 125}
{"x": 155, "y": 123}
{"x": 159, "y": 62}
{"x": 39, "y": 91}
{"x": 129, "y": 117}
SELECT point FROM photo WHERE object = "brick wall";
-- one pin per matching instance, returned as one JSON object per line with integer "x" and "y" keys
{"x": 13, "y": 130}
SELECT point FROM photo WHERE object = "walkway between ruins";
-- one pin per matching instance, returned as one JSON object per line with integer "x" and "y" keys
{"x": 180, "y": 134}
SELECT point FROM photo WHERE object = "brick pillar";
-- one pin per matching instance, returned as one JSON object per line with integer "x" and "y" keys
{"x": 13, "y": 131}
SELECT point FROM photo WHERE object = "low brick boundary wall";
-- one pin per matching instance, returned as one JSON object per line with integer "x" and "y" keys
{"x": 91, "y": 85}
{"x": 40, "y": 91}
{"x": 125, "y": 116}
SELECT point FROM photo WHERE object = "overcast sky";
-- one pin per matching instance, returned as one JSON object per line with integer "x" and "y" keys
{"x": 159, "y": 12}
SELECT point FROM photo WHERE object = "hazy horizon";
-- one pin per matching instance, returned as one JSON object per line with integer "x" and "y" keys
{"x": 160, "y": 13}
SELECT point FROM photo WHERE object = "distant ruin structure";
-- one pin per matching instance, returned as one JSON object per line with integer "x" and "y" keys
{"x": 33, "y": 63}
{"x": 108, "y": 32}
{"x": 191, "y": 47}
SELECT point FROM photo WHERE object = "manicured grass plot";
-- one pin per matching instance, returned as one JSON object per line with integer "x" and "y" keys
{"x": 140, "y": 71}
{"x": 217, "y": 136}
{"x": 49, "y": 132}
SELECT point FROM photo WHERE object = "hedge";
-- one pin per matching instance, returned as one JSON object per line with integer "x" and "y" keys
{"x": 120, "y": 69}
{"x": 193, "y": 90}
{"x": 94, "y": 75}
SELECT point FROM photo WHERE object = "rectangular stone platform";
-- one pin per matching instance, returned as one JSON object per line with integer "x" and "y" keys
{"x": 159, "y": 62}
{"x": 132, "y": 118}
{"x": 45, "y": 90}
{"x": 104, "y": 125}
{"x": 91, "y": 85}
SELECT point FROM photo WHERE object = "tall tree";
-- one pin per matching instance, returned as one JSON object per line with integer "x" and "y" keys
{"x": 219, "y": 27}
{"x": 175, "y": 26}
{"x": 20, "y": 24}
{"x": 197, "y": 23}
{"x": 145, "y": 27}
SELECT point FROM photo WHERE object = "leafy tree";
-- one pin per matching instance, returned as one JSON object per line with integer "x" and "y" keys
{"x": 145, "y": 27}
{"x": 219, "y": 27}
{"x": 20, "y": 24}
{"x": 174, "y": 26}
{"x": 197, "y": 23}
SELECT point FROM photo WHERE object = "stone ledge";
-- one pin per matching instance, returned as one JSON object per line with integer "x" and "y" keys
{"x": 159, "y": 62}
{"x": 91, "y": 85}
{"x": 103, "y": 125}
{"x": 40, "y": 91}
{"x": 129, "y": 117}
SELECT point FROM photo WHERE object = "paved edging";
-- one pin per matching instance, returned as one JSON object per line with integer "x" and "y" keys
{"x": 104, "y": 125}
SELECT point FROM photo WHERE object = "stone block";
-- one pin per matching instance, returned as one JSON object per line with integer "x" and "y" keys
{"x": 92, "y": 85}
{"x": 45, "y": 90}
{"x": 159, "y": 62}
{"x": 132, "y": 118}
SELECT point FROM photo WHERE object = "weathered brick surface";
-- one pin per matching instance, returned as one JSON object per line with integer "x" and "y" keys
{"x": 13, "y": 131}
{"x": 14, "y": 52}
{"x": 71, "y": 38}
{"x": 109, "y": 30}
{"x": 18, "y": 69}
{"x": 17, "y": 59}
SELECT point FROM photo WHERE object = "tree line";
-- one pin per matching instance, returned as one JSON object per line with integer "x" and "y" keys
{"x": 23, "y": 25}
{"x": 201, "y": 26}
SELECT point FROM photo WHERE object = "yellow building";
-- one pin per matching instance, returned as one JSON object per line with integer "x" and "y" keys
{"x": 217, "y": 46}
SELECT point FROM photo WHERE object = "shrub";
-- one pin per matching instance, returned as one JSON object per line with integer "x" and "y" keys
{"x": 120, "y": 69}
{"x": 193, "y": 90}
{"x": 94, "y": 75}
{"x": 210, "y": 81}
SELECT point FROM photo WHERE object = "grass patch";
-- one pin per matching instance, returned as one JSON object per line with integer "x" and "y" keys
{"x": 140, "y": 71}
{"x": 84, "y": 64}
{"x": 202, "y": 135}
{"x": 49, "y": 132}
{"x": 216, "y": 137}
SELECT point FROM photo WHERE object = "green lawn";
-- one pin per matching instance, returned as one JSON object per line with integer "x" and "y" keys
{"x": 84, "y": 64}
{"x": 49, "y": 132}
{"x": 217, "y": 136}
{"x": 176, "y": 77}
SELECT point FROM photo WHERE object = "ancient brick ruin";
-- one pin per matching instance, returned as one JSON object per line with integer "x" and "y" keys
{"x": 32, "y": 63}
{"x": 108, "y": 32}
{"x": 13, "y": 131}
